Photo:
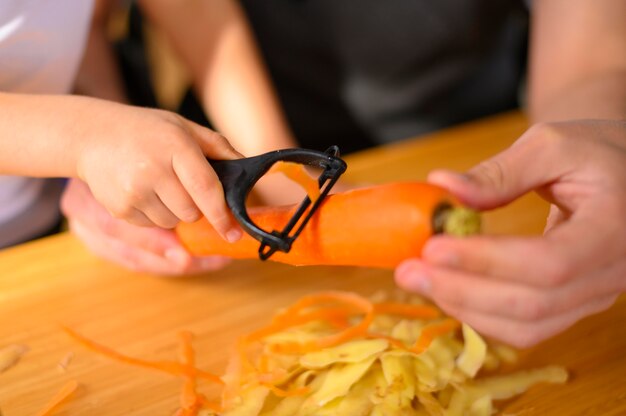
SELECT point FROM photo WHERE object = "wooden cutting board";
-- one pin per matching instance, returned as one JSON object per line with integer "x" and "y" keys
{"x": 56, "y": 281}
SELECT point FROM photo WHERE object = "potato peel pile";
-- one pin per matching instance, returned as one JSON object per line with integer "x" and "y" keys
{"x": 337, "y": 353}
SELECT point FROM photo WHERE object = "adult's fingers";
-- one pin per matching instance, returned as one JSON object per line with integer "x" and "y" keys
{"x": 125, "y": 254}
{"x": 555, "y": 218}
{"x": 524, "y": 334}
{"x": 147, "y": 249}
{"x": 80, "y": 206}
{"x": 122, "y": 252}
{"x": 469, "y": 292}
{"x": 527, "y": 165}
{"x": 569, "y": 250}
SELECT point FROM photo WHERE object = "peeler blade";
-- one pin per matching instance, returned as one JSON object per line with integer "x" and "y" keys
{"x": 239, "y": 176}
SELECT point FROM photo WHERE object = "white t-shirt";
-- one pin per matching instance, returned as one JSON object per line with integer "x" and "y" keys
{"x": 41, "y": 47}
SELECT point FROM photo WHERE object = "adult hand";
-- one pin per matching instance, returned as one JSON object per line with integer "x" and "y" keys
{"x": 523, "y": 290}
{"x": 145, "y": 249}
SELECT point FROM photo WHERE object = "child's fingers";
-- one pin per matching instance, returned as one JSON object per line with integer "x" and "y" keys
{"x": 149, "y": 211}
{"x": 156, "y": 211}
{"x": 213, "y": 145}
{"x": 116, "y": 250}
{"x": 176, "y": 198}
{"x": 133, "y": 216}
{"x": 206, "y": 190}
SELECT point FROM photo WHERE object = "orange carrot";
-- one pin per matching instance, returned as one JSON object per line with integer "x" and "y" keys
{"x": 69, "y": 388}
{"x": 433, "y": 331}
{"x": 378, "y": 226}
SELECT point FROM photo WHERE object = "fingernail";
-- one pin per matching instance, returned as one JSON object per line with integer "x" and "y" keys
{"x": 412, "y": 276}
{"x": 444, "y": 177}
{"x": 233, "y": 235}
{"x": 212, "y": 262}
{"x": 437, "y": 253}
{"x": 460, "y": 176}
{"x": 177, "y": 255}
{"x": 405, "y": 267}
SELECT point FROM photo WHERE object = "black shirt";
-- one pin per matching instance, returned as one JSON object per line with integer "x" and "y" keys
{"x": 364, "y": 72}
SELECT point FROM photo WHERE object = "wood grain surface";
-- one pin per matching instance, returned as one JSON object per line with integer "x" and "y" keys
{"x": 56, "y": 281}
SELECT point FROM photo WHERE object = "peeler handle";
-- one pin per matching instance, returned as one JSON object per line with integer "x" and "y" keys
{"x": 239, "y": 176}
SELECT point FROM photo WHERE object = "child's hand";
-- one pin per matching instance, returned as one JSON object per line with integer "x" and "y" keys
{"x": 148, "y": 167}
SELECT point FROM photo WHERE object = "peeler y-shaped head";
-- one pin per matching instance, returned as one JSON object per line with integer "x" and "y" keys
{"x": 239, "y": 176}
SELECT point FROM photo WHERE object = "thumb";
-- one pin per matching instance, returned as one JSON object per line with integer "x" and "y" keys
{"x": 527, "y": 165}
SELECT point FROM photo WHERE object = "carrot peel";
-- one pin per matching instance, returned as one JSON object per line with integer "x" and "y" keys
{"x": 170, "y": 367}
{"x": 66, "y": 391}
{"x": 433, "y": 331}
{"x": 297, "y": 173}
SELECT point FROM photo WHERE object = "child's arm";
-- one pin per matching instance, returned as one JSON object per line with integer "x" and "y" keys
{"x": 145, "y": 166}
{"x": 215, "y": 42}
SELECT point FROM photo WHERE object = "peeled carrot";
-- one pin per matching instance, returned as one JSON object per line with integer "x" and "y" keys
{"x": 378, "y": 227}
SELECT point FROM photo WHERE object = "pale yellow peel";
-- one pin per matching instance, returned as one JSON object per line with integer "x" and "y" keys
{"x": 340, "y": 379}
{"x": 10, "y": 355}
{"x": 474, "y": 352}
{"x": 378, "y": 373}
{"x": 350, "y": 352}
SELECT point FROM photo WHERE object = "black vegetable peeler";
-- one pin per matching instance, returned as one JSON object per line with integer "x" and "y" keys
{"x": 239, "y": 176}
